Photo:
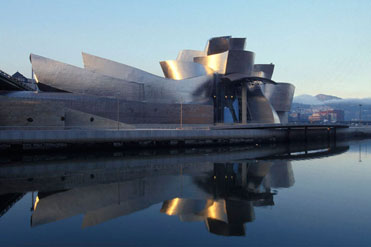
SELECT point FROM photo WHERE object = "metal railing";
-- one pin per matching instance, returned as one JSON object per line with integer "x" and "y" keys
{"x": 16, "y": 83}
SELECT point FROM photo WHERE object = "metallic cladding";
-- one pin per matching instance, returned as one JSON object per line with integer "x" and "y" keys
{"x": 178, "y": 70}
{"x": 217, "y": 45}
{"x": 280, "y": 95}
{"x": 198, "y": 82}
{"x": 263, "y": 70}
{"x": 216, "y": 62}
{"x": 260, "y": 109}
{"x": 196, "y": 90}
{"x": 237, "y": 43}
{"x": 188, "y": 55}
{"x": 130, "y": 112}
{"x": 77, "y": 80}
{"x": 233, "y": 61}
{"x": 226, "y": 43}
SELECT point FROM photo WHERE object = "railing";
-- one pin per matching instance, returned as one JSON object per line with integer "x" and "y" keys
{"x": 111, "y": 127}
{"x": 5, "y": 74}
{"x": 16, "y": 83}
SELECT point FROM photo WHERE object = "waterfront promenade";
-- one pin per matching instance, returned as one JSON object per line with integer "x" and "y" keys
{"x": 205, "y": 135}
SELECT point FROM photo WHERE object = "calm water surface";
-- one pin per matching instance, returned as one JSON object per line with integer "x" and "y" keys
{"x": 298, "y": 195}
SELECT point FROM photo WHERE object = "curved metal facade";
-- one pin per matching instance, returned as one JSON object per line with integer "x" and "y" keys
{"x": 178, "y": 70}
{"x": 76, "y": 80}
{"x": 280, "y": 95}
{"x": 129, "y": 112}
{"x": 196, "y": 90}
{"x": 264, "y": 70}
{"x": 219, "y": 84}
{"x": 259, "y": 107}
{"x": 188, "y": 55}
{"x": 225, "y": 43}
{"x": 228, "y": 62}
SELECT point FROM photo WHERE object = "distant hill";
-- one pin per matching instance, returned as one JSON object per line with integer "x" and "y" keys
{"x": 307, "y": 99}
{"x": 325, "y": 97}
{"x": 350, "y": 106}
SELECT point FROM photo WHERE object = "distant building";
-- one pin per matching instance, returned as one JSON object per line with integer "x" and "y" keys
{"x": 337, "y": 115}
{"x": 332, "y": 116}
{"x": 30, "y": 84}
{"x": 21, "y": 78}
{"x": 315, "y": 117}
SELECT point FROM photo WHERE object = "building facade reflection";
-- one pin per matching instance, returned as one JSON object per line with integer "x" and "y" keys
{"x": 236, "y": 188}
{"x": 221, "y": 187}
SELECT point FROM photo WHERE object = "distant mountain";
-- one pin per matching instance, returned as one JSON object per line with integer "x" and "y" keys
{"x": 307, "y": 99}
{"x": 351, "y": 101}
{"x": 307, "y": 104}
{"x": 326, "y": 97}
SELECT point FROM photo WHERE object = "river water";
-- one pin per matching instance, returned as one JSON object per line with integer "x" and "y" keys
{"x": 276, "y": 195}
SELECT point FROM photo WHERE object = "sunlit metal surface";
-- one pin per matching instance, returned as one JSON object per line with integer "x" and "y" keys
{"x": 77, "y": 80}
{"x": 178, "y": 70}
{"x": 221, "y": 83}
{"x": 217, "y": 62}
{"x": 217, "y": 210}
{"x": 188, "y": 55}
{"x": 157, "y": 89}
{"x": 179, "y": 206}
{"x": 233, "y": 61}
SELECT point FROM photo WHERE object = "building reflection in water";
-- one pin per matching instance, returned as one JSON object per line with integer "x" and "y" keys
{"x": 236, "y": 188}
{"x": 220, "y": 187}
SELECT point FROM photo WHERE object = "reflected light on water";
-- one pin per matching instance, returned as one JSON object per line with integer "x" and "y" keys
{"x": 36, "y": 202}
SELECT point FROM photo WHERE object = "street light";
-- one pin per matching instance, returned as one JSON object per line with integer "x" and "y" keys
{"x": 360, "y": 114}
{"x": 181, "y": 115}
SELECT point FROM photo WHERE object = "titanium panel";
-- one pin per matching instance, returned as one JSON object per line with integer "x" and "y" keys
{"x": 240, "y": 62}
{"x": 196, "y": 80}
{"x": 221, "y": 44}
{"x": 235, "y": 77}
{"x": 188, "y": 55}
{"x": 260, "y": 109}
{"x": 74, "y": 79}
{"x": 178, "y": 70}
{"x": 216, "y": 62}
{"x": 284, "y": 116}
{"x": 280, "y": 95}
{"x": 237, "y": 43}
{"x": 233, "y": 61}
{"x": 264, "y": 70}
{"x": 131, "y": 112}
{"x": 217, "y": 45}
{"x": 196, "y": 90}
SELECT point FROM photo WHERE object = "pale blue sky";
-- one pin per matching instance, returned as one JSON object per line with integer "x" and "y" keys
{"x": 319, "y": 46}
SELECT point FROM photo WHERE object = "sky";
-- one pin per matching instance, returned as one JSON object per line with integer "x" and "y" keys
{"x": 319, "y": 46}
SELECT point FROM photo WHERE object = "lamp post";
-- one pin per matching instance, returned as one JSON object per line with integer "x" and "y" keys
{"x": 181, "y": 113}
{"x": 118, "y": 113}
{"x": 360, "y": 114}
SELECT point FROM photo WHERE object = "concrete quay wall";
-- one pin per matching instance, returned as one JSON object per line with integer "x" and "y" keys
{"x": 107, "y": 136}
{"x": 167, "y": 137}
